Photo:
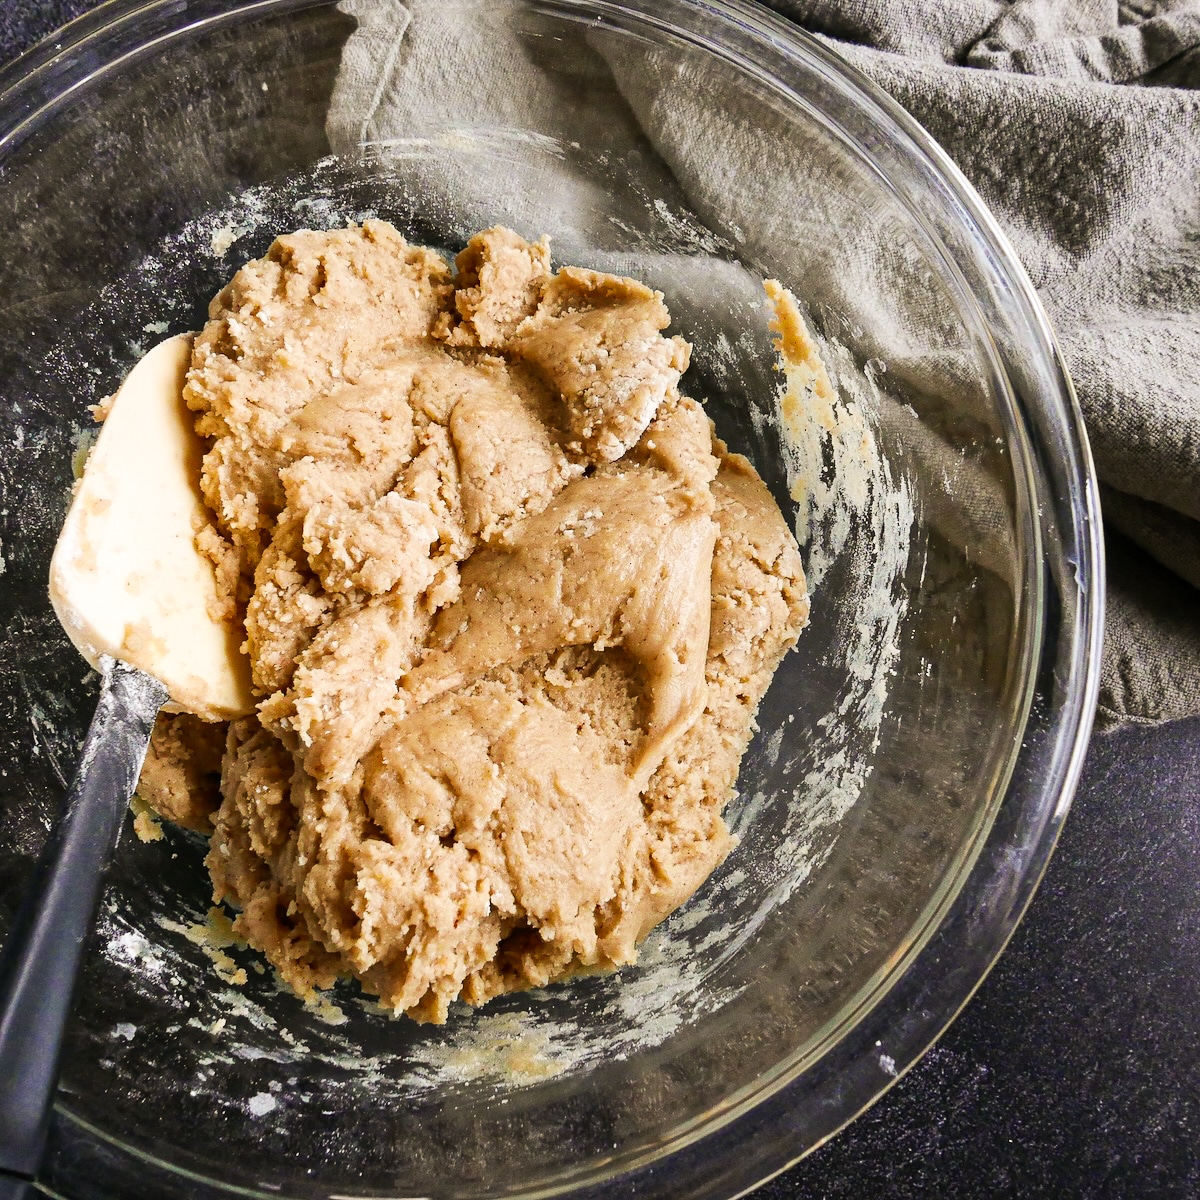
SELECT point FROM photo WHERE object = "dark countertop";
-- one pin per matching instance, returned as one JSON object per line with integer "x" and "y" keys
{"x": 1075, "y": 1071}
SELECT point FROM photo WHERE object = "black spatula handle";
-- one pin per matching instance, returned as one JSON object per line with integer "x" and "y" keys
{"x": 41, "y": 954}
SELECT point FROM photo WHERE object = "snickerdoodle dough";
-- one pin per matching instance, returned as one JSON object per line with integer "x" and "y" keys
{"x": 510, "y": 606}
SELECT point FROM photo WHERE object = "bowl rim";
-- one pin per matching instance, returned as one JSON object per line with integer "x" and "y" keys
{"x": 923, "y": 1001}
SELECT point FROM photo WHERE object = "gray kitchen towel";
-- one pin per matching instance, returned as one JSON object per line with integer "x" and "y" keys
{"x": 1079, "y": 123}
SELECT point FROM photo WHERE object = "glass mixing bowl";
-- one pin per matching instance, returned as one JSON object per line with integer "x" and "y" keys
{"x": 916, "y": 754}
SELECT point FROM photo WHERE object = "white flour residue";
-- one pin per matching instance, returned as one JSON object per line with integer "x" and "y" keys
{"x": 858, "y": 514}
{"x": 248, "y": 217}
{"x": 146, "y": 963}
{"x": 261, "y": 1104}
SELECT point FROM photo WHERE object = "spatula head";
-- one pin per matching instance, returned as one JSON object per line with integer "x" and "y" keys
{"x": 126, "y": 578}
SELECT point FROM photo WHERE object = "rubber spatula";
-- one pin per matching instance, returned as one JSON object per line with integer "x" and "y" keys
{"x": 139, "y": 601}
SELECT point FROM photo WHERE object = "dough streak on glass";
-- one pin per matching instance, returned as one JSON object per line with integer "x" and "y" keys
{"x": 510, "y": 608}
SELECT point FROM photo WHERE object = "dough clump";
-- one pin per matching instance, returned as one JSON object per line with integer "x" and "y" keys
{"x": 510, "y": 608}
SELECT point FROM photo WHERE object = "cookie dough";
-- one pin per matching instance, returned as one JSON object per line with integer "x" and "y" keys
{"x": 509, "y": 605}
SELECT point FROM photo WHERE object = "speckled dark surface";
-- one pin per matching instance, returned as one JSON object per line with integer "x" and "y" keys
{"x": 23, "y": 22}
{"x": 1075, "y": 1072}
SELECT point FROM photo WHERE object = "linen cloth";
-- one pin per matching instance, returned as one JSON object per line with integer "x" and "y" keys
{"x": 1078, "y": 121}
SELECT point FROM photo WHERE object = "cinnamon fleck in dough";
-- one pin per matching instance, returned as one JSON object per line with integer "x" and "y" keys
{"x": 510, "y": 607}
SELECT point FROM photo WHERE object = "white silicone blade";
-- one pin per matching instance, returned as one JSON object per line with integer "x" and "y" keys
{"x": 126, "y": 578}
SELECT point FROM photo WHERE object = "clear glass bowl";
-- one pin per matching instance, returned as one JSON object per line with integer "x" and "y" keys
{"x": 917, "y": 753}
